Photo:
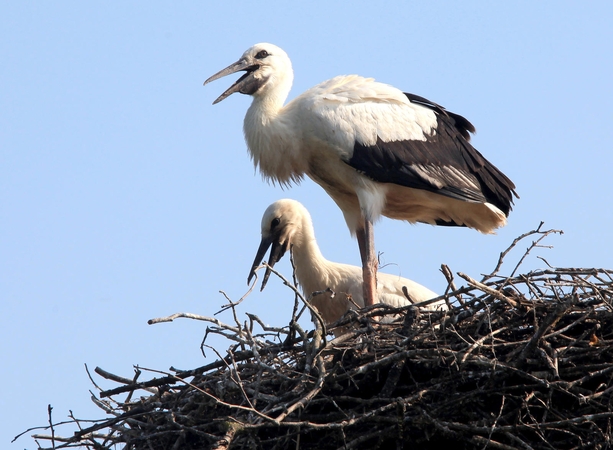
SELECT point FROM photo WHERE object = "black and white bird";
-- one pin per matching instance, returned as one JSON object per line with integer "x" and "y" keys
{"x": 286, "y": 224}
{"x": 374, "y": 149}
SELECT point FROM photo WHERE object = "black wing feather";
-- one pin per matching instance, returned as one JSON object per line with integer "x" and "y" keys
{"x": 445, "y": 163}
{"x": 461, "y": 123}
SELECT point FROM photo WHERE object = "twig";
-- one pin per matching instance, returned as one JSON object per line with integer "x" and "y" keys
{"x": 49, "y": 409}
{"x": 516, "y": 241}
{"x": 487, "y": 289}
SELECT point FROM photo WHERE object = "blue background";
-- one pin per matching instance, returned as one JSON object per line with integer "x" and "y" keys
{"x": 125, "y": 195}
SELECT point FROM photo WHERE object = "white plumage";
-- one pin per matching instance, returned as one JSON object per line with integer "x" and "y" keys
{"x": 374, "y": 149}
{"x": 286, "y": 224}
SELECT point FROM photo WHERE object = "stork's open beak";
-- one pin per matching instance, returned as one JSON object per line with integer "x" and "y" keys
{"x": 247, "y": 84}
{"x": 276, "y": 253}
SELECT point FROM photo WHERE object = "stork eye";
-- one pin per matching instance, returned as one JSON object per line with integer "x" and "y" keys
{"x": 275, "y": 223}
{"x": 261, "y": 54}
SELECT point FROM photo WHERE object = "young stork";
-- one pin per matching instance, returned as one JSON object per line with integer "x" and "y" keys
{"x": 287, "y": 224}
{"x": 374, "y": 149}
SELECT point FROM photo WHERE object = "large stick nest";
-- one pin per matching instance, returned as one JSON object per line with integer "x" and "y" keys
{"x": 518, "y": 362}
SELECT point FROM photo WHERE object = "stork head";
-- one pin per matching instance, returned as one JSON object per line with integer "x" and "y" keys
{"x": 282, "y": 225}
{"x": 267, "y": 68}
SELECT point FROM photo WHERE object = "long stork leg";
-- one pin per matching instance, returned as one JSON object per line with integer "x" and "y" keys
{"x": 366, "y": 242}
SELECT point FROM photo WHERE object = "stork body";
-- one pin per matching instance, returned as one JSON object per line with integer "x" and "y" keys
{"x": 374, "y": 149}
{"x": 286, "y": 224}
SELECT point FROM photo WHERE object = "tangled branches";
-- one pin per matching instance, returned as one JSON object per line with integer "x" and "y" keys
{"x": 518, "y": 362}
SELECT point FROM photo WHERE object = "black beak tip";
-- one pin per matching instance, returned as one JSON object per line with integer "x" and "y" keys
{"x": 266, "y": 277}
{"x": 250, "y": 277}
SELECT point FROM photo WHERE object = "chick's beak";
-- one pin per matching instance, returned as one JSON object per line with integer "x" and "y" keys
{"x": 276, "y": 253}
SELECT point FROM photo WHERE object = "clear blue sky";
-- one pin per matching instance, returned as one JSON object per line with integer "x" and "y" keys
{"x": 125, "y": 195}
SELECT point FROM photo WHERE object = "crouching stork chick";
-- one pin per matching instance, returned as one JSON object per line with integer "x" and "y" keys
{"x": 286, "y": 225}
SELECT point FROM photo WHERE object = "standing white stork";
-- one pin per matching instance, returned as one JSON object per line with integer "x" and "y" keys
{"x": 286, "y": 224}
{"x": 374, "y": 149}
